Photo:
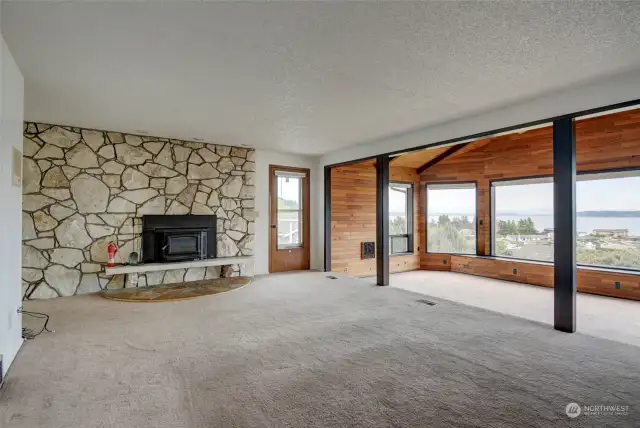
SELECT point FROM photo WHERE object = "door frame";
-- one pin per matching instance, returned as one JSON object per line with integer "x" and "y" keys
{"x": 306, "y": 211}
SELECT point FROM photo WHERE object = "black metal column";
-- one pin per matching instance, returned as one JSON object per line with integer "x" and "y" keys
{"x": 564, "y": 218}
{"x": 327, "y": 219}
{"x": 382, "y": 219}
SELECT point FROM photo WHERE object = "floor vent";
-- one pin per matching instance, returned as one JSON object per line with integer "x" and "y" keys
{"x": 332, "y": 277}
{"x": 426, "y": 302}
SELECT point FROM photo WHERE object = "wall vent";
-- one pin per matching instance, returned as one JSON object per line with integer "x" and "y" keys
{"x": 368, "y": 250}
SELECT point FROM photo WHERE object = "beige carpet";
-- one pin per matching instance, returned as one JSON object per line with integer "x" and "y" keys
{"x": 301, "y": 350}
{"x": 605, "y": 317}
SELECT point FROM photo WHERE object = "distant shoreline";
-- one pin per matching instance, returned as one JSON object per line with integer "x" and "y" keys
{"x": 601, "y": 214}
{"x": 609, "y": 213}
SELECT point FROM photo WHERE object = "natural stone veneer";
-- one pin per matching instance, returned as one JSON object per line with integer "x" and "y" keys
{"x": 84, "y": 188}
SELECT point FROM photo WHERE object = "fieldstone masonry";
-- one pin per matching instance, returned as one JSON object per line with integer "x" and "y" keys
{"x": 85, "y": 188}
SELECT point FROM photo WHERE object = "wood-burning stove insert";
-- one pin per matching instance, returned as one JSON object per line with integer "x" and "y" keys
{"x": 170, "y": 238}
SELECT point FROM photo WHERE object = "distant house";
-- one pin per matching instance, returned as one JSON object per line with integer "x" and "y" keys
{"x": 527, "y": 238}
{"x": 589, "y": 246}
{"x": 613, "y": 233}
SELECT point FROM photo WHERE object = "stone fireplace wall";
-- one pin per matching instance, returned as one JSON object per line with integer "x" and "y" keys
{"x": 84, "y": 188}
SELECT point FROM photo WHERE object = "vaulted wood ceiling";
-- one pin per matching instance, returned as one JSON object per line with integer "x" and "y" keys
{"x": 417, "y": 159}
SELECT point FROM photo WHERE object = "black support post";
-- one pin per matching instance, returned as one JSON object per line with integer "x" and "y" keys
{"x": 564, "y": 218}
{"x": 327, "y": 219}
{"x": 382, "y": 219}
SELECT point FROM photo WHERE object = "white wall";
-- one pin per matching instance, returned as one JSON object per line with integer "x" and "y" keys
{"x": 11, "y": 126}
{"x": 265, "y": 158}
{"x": 614, "y": 90}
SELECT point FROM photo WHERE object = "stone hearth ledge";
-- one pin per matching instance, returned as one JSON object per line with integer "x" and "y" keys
{"x": 156, "y": 267}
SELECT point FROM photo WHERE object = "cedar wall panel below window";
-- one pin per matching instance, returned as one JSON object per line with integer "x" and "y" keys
{"x": 589, "y": 281}
{"x": 353, "y": 218}
{"x": 435, "y": 262}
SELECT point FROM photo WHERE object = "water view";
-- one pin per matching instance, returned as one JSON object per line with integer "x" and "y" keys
{"x": 601, "y": 241}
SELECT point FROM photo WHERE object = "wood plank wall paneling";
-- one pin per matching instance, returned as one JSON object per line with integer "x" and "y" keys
{"x": 589, "y": 281}
{"x": 353, "y": 218}
{"x": 440, "y": 262}
{"x": 606, "y": 142}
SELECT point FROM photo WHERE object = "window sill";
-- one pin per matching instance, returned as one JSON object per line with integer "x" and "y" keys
{"x": 408, "y": 253}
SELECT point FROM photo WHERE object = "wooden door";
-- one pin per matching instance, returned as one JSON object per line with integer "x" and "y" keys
{"x": 289, "y": 219}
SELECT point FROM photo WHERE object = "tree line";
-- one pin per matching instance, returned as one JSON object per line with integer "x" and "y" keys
{"x": 521, "y": 227}
{"x": 461, "y": 222}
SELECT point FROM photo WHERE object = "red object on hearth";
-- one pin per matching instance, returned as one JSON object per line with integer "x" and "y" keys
{"x": 112, "y": 248}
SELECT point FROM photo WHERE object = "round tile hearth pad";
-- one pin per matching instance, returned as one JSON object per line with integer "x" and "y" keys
{"x": 173, "y": 292}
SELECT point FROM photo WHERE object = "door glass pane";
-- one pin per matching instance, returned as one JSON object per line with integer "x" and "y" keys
{"x": 289, "y": 228}
{"x": 289, "y": 211}
{"x": 289, "y": 193}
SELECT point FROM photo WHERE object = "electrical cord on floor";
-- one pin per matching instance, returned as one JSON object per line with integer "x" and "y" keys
{"x": 29, "y": 334}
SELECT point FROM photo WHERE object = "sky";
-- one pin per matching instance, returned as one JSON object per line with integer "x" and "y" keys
{"x": 289, "y": 188}
{"x": 455, "y": 201}
{"x": 397, "y": 201}
{"x": 618, "y": 194}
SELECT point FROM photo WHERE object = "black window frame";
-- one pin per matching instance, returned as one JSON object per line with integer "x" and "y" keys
{"x": 579, "y": 175}
{"x": 492, "y": 214}
{"x": 410, "y": 225}
{"x": 472, "y": 183}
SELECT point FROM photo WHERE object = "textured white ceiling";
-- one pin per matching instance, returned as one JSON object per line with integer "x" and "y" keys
{"x": 305, "y": 77}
